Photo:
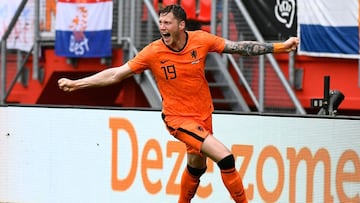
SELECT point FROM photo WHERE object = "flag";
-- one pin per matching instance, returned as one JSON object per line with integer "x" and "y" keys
{"x": 276, "y": 20}
{"x": 329, "y": 28}
{"x": 83, "y": 28}
{"x": 22, "y": 34}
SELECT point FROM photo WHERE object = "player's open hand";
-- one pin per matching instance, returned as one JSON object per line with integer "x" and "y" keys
{"x": 66, "y": 85}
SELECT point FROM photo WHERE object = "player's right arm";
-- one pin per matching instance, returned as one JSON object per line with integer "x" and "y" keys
{"x": 104, "y": 78}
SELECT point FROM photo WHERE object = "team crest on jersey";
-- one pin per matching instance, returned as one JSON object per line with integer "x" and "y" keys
{"x": 194, "y": 54}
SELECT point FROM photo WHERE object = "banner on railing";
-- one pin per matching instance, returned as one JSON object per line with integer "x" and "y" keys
{"x": 83, "y": 28}
{"x": 22, "y": 35}
{"x": 329, "y": 28}
{"x": 276, "y": 20}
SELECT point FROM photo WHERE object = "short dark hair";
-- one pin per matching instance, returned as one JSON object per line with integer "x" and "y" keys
{"x": 177, "y": 10}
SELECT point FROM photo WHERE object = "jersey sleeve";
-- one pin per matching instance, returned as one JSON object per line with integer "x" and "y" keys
{"x": 215, "y": 43}
{"x": 142, "y": 60}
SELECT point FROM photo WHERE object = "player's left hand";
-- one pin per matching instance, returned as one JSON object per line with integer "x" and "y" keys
{"x": 291, "y": 44}
{"x": 66, "y": 85}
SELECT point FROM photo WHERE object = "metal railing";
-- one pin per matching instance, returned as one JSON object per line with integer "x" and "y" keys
{"x": 4, "y": 38}
{"x": 21, "y": 63}
{"x": 145, "y": 80}
{"x": 271, "y": 59}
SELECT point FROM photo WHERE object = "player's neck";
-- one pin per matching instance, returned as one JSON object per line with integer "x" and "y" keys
{"x": 181, "y": 42}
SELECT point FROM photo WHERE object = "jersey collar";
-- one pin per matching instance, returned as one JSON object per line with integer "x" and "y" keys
{"x": 186, "y": 41}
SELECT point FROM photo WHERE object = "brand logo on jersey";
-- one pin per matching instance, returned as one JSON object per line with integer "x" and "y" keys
{"x": 164, "y": 61}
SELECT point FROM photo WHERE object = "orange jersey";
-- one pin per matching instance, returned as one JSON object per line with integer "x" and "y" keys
{"x": 180, "y": 75}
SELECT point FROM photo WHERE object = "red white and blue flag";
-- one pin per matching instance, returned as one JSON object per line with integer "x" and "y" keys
{"x": 329, "y": 28}
{"x": 83, "y": 28}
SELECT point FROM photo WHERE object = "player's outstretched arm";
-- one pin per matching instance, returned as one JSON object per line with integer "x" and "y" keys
{"x": 104, "y": 78}
{"x": 253, "y": 48}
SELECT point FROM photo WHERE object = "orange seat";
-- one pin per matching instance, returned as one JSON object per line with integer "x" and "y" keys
{"x": 190, "y": 8}
{"x": 205, "y": 11}
{"x": 156, "y": 5}
{"x": 188, "y": 5}
{"x": 169, "y": 2}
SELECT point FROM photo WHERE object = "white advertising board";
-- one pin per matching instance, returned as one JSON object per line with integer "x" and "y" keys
{"x": 50, "y": 155}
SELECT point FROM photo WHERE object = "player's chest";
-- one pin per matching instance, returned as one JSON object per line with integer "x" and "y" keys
{"x": 175, "y": 65}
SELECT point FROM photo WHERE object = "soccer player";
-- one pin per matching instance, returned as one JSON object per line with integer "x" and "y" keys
{"x": 177, "y": 61}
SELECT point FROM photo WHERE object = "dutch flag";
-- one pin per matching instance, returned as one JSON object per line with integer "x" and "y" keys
{"x": 329, "y": 28}
{"x": 83, "y": 28}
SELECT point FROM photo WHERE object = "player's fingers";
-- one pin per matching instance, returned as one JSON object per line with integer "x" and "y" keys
{"x": 63, "y": 84}
{"x": 61, "y": 81}
{"x": 294, "y": 43}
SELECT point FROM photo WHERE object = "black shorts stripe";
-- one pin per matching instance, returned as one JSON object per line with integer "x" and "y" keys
{"x": 191, "y": 134}
{"x": 163, "y": 117}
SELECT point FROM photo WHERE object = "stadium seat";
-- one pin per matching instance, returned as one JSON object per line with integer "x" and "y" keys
{"x": 205, "y": 11}
{"x": 169, "y": 2}
{"x": 190, "y": 8}
{"x": 156, "y": 5}
{"x": 188, "y": 5}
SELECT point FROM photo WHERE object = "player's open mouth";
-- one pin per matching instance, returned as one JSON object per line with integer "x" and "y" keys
{"x": 166, "y": 36}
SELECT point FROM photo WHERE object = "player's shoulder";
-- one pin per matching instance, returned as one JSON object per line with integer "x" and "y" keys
{"x": 153, "y": 46}
{"x": 201, "y": 35}
{"x": 198, "y": 33}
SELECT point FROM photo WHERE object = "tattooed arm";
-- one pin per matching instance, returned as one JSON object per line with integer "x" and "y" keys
{"x": 253, "y": 48}
{"x": 247, "y": 48}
